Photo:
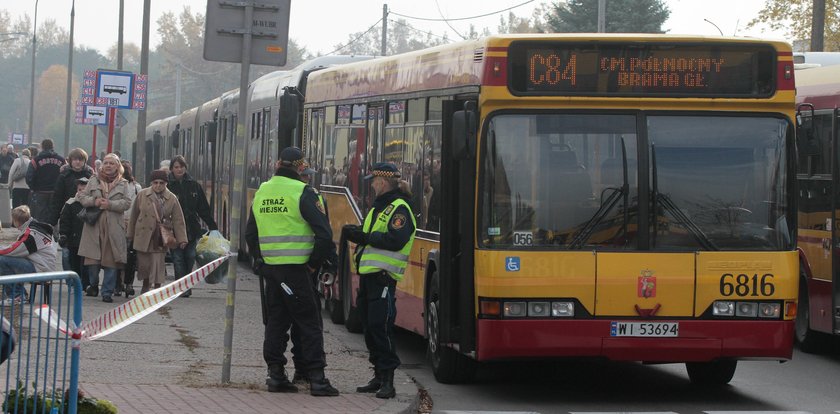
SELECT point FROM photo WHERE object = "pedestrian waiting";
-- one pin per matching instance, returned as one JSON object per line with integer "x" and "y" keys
{"x": 17, "y": 179}
{"x": 70, "y": 227}
{"x": 41, "y": 178}
{"x": 65, "y": 187}
{"x": 34, "y": 251}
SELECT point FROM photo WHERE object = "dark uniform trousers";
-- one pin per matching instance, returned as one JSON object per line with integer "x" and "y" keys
{"x": 295, "y": 332}
{"x": 377, "y": 304}
{"x": 284, "y": 308}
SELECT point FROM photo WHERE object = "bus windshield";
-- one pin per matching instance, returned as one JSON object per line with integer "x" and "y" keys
{"x": 571, "y": 181}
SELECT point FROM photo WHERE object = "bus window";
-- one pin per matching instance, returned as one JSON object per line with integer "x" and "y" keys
{"x": 430, "y": 211}
{"x": 542, "y": 181}
{"x": 698, "y": 203}
{"x": 814, "y": 148}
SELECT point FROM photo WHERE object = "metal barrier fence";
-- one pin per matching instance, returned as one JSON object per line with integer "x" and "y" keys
{"x": 40, "y": 372}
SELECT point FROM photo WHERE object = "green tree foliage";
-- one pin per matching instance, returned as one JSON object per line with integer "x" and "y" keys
{"x": 515, "y": 24}
{"x": 402, "y": 37}
{"x": 622, "y": 16}
{"x": 794, "y": 17}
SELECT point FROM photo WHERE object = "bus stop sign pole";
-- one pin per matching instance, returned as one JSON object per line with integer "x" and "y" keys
{"x": 264, "y": 27}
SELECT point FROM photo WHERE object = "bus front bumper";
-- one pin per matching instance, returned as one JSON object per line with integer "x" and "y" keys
{"x": 698, "y": 340}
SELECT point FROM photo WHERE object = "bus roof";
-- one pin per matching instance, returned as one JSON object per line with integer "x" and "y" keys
{"x": 462, "y": 64}
{"x": 819, "y": 86}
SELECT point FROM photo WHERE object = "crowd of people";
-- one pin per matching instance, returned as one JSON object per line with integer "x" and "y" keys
{"x": 103, "y": 219}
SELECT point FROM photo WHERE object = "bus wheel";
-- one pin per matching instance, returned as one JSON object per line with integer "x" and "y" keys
{"x": 810, "y": 341}
{"x": 352, "y": 320}
{"x": 718, "y": 372}
{"x": 448, "y": 365}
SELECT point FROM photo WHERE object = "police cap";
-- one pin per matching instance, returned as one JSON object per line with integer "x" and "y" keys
{"x": 383, "y": 169}
{"x": 291, "y": 156}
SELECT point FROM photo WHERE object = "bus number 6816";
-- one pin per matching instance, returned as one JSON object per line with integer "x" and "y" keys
{"x": 745, "y": 285}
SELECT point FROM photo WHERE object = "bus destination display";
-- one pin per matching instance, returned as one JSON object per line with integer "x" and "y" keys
{"x": 641, "y": 69}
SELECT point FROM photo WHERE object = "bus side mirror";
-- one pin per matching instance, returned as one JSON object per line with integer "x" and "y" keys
{"x": 211, "y": 131}
{"x": 464, "y": 129}
{"x": 289, "y": 110}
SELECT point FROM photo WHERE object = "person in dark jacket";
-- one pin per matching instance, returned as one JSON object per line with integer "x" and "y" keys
{"x": 65, "y": 187}
{"x": 70, "y": 234}
{"x": 41, "y": 178}
{"x": 6, "y": 159}
{"x": 194, "y": 205}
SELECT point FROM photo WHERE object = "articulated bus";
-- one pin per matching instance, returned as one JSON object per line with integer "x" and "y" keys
{"x": 628, "y": 197}
{"x": 818, "y": 97}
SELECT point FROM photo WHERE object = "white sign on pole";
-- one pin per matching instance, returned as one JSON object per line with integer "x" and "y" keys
{"x": 116, "y": 87}
{"x": 97, "y": 114}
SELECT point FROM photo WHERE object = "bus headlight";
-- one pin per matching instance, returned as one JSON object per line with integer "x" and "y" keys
{"x": 515, "y": 309}
{"x": 746, "y": 309}
{"x": 723, "y": 308}
{"x": 562, "y": 309}
{"x": 769, "y": 310}
{"x": 538, "y": 309}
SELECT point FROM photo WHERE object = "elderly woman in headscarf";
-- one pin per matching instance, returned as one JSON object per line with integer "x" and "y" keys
{"x": 153, "y": 205}
{"x": 103, "y": 242}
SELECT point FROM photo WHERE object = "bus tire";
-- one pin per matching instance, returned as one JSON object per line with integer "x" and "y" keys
{"x": 810, "y": 341}
{"x": 352, "y": 319}
{"x": 449, "y": 366}
{"x": 713, "y": 373}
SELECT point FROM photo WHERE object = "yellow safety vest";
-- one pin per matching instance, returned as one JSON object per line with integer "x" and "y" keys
{"x": 284, "y": 236}
{"x": 374, "y": 260}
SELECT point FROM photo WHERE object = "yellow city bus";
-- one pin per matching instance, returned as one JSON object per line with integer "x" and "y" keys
{"x": 628, "y": 197}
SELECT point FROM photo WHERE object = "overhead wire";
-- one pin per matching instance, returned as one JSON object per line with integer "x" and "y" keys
{"x": 460, "y": 18}
{"x": 357, "y": 37}
{"x": 410, "y": 27}
{"x": 440, "y": 12}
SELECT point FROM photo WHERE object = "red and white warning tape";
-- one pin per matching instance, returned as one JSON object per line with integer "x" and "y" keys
{"x": 128, "y": 312}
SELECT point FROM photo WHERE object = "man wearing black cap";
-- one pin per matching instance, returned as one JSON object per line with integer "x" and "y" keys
{"x": 289, "y": 236}
{"x": 384, "y": 244}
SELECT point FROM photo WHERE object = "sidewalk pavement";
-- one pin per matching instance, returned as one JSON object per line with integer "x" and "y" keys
{"x": 171, "y": 361}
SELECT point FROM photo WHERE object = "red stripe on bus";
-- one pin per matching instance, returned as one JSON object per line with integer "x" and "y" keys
{"x": 497, "y": 49}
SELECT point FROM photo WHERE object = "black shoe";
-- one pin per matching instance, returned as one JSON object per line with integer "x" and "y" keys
{"x": 129, "y": 291}
{"x": 374, "y": 384}
{"x": 322, "y": 388}
{"x": 107, "y": 299}
{"x": 277, "y": 381}
{"x": 118, "y": 292}
{"x": 387, "y": 389}
{"x": 92, "y": 291}
{"x": 187, "y": 294}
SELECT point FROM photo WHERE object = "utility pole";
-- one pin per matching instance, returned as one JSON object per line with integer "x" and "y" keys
{"x": 32, "y": 77}
{"x": 818, "y": 26}
{"x": 384, "y": 48}
{"x": 67, "y": 102}
{"x": 602, "y": 16}
{"x": 140, "y": 142}
{"x": 178, "y": 90}
{"x": 118, "y": 131}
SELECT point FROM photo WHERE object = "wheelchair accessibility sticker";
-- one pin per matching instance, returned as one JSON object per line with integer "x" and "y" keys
{"x": 512, "y": 264}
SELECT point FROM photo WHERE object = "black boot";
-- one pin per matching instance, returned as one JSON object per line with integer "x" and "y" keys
{"x": 129, "y": 290}
{"x": 319, "y": 385}
{"x": 387, "y": 389}
{"x": 374, "y": 383}
{"x": 277, "y": 380}
{"x": 187, "y": 293}
{"x": 300, "y": 377}
{"x": 93, "y": 291}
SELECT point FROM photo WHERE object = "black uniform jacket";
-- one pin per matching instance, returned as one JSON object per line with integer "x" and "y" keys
{"x": 317, "y": 219}
{"x": 65, "y": 188}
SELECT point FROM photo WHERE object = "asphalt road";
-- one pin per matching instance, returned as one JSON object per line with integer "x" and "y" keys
{"x": 808, "y": 384}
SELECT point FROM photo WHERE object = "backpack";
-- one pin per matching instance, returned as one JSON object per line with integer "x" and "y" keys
{"x": 21, "y": 172}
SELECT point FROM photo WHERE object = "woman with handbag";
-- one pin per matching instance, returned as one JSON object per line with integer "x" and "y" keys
{"x": 103, "y": 237}
{"x": 156, "y": 225}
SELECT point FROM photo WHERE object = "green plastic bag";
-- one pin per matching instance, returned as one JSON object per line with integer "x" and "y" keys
{"x": 210, "y": 247}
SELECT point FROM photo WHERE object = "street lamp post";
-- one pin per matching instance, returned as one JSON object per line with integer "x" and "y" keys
{"x": 32, "y": 74}
{"x": 716, "y": 26}
{"x": 69, "y": 81}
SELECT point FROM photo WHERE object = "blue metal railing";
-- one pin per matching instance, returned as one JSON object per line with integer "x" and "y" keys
{"x": 35, "y": 376}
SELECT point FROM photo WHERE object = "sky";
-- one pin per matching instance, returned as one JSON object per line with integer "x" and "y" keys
{"x": 97, "y": 20}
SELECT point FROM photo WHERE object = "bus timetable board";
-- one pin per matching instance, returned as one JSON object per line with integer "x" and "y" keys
{"x": 641, "y": 69}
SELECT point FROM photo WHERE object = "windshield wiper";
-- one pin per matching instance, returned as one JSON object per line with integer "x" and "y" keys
{"x": 606, "y": 206}
{"x": 668, "y": 205}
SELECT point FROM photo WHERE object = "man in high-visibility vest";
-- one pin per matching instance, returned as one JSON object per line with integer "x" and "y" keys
{"x": 384, "y": 241}
{"x": 289, "y": 236}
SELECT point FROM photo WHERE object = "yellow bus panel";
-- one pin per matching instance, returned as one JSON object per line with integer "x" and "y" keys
{"x": 634, "y": 283}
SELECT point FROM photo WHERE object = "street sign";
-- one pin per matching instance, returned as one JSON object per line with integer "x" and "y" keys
{"x": 269, "y": 29}
{"x": 116, "y": 87}
{"x": 90, "y": 114}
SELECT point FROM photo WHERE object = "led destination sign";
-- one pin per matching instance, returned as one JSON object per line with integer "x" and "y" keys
{"x": 641, "y": 69}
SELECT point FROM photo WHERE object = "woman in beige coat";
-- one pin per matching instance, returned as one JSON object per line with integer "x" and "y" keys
{"x": 154, "y": 203}
{"x": 103, "y": 243}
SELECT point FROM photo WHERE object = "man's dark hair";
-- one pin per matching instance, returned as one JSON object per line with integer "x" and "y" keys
{"x": 46, "y": 144}
{"x": 178, "y": 159}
